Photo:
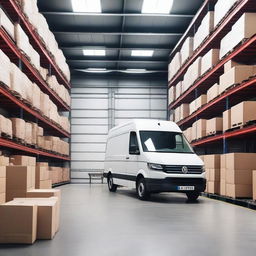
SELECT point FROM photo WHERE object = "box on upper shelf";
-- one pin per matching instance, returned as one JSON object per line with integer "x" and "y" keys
{"x": 204, "y": 29}
{"x": 214, "y": 125}
{"x": 186, "y": 49}
{"x": 243, "y": 113}
{"x": 209, "y": 60}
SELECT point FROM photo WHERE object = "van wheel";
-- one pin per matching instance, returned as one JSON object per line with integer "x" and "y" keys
{"x": 142, "y": 192}
{"x": 193, "y": 196}
{"x": 111, "y": 186}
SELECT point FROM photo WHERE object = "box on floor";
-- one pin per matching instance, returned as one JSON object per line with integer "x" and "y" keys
{"x": 18, "y": 228}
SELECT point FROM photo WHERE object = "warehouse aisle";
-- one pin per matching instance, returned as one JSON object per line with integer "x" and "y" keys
{"x": 95, "y": 222}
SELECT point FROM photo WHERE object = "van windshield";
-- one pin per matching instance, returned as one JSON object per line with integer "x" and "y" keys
{"x": 164, "y": 142}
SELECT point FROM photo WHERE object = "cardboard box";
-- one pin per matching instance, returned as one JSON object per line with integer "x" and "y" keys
{"x": 5, "y": 125}
{"x": 214, "y": 175}
{"x": 177, "y": 114}
{"x": 240, "y": 161}
{"x": 23, "y": 160}
{"x": 229, "y": 65}
{"x": 239, "y": 190}
{"x": 192, "y": 107}
{"x": 213, "y": 92}
{"x": 28, "y": 133}
{"x": 200, "y": 101}
{"x": 213, "y": 187}
{"x": 193, "y": 131}
{"x": 19, "y": 179}
{"x": 200, "y": 128}
{"x": 44, "y": 103}
{"x": 243, "y": 113}
{"x": 239, "y": 176}
{"x": 204, "y": 29}
{"x": 254, "y": 185}
{"x": 2, "y": 172}
{"x": 184, "y": 111}
{"x": 18, "y": 128}
{"x": 174, "y": 66}
{"x": 18, "y": 228}
{"x": 221, "y": 8}
{"x": 209, "y": 60}
{"x": 2, "y": 185}
{"x": 186, "y": 49}
{"x": 212, "y": 161}
{"x": 223, "y": 187}
{"x": 244, "y": 27}
{"x": 46, "y": 214}
{"x": 40, "y": 131}
{"x": 214, "y": 125}
{"x": 46, "y": 193}
{"x": 45, "y": 184}
{"x": 4, "y": 161}
{"x": 226, "y": 120}
{"x": 2, "y": 198}
{"x": 36, "y": 96}
{"x": 42, "y": 172}
{"x": 5, "y": 74}
{"x": 235, "y": 75}
{"x": 6, "y": 23}
{"x": 172, "y": 94}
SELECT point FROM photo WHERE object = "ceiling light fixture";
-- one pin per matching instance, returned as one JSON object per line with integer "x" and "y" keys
{"x": 157, "y": 6}
{"x": 86, "y": 5}
{"x": 142, "y": 53}
{"x": 89, "y": 52}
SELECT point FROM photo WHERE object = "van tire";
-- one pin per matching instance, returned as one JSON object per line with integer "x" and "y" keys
{"x": 193, "y": 196}
{"x": 141, "y": 188}
{"x": 111, "y": 186}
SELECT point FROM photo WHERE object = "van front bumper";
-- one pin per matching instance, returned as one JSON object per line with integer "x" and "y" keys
{"x": 172, "y": 184}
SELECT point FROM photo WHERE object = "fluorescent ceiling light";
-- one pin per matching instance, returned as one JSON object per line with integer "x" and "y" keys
{"x": 96, "y": 69}
{"x": 136, "y": 69}
{"x": 89, "y": 52}
{"x": 157, "y": 6}
{"x": 86, "y": 5}
{"x": 142, "y": 53}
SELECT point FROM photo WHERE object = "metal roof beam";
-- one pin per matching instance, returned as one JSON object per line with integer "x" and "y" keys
{"x": 120, "y": 61}
{"x": 120, "y": 14}
{"x": 79, "y": 48}
{"x": 117, "y": 33}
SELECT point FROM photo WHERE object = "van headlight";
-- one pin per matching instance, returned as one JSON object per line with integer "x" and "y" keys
{"x": 157, "y": 167}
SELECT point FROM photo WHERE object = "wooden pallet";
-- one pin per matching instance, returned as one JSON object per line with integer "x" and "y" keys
{"x": 16, "y": 94}
{"x": 6, "y": 136}
{"x": 18, "y": 140}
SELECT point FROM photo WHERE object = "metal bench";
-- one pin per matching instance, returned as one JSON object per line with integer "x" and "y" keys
{"x": 95, "y": 176}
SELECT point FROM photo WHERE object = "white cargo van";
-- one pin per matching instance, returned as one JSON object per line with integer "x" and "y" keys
{"x": 152, "y": 156}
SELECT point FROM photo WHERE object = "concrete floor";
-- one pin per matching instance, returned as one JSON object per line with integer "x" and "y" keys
{"x": 96, "y": 222}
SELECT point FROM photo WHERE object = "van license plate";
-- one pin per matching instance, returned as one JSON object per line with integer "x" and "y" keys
{"x": 186, "y": 188}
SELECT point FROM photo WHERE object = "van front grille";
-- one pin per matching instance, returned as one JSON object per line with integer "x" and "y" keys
{"x": 177, "y": 169}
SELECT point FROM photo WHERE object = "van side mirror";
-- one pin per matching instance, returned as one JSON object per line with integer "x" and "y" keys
{"x": 134, "y": 150}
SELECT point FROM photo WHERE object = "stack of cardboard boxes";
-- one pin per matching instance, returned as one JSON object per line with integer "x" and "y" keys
{"x": 231, "y": 174}
{"x": 212, "y": 171}
{"x": 39, "y": 22}
{"x": 242, "y": 29}
{"x": 38, "y": 209}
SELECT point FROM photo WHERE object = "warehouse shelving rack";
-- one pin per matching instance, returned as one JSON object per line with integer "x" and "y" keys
{"x": 16, "y": 104}
{"x": 232, "y": 96}
{"x": 213, "y": 40}
{"x": 36, "y": 152}
{"x": 16, "y": 56}
{"x": 17, "y": 15}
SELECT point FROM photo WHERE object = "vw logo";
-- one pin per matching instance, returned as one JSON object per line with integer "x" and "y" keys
{"x": 184, "y": 169}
